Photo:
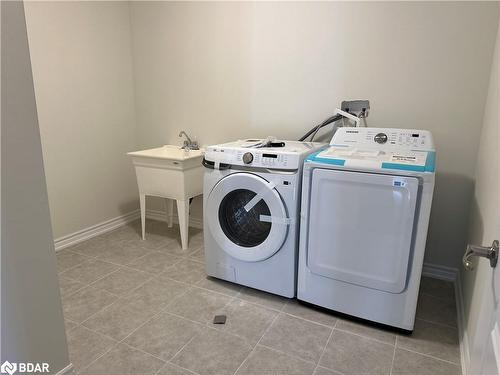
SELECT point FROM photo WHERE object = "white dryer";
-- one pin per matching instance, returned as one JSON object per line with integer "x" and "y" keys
{"x": 366, "y": 202}
{"x": 251, "y": 204}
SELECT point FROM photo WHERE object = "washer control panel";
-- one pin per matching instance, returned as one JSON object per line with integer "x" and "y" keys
{"x": 383, "y": 138}
{"x": 288, "y": 155}
{"x": 254, "y": 158}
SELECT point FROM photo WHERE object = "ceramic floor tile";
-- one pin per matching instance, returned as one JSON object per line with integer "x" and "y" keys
{"x": 432, "y": 339}
{"x": 213, "y": 352}
{"x": 353, "y": 355}
{"x": 155, "y": 262}
{"x": 105, "y": 245}
{"x": 124, "y": 360}
{"x": 125, "y": 233}
{"x": 437, "y": 288}
{"x": 186, "y": 271}
{"x": 262, "y": 298}
{"x": 297, "y": 337}
{"x": 67, "y": 259}
{"x": 157, "y": 293}
{"x": 198, "y": 255}
{"x": 68, "y": 286}
{"x": 265, "y": 361}
{"x": 354, "y": 348}
{"x": 428, "y": 306}
{"x": 245, "y": 319}
{"x": 312, "y": 313}
{"x": 119, "y": 319}
{"x": 164, "y": 335}
{"x": 90, "y": 271}
{"x": 219, "y": 286}
{"x": 122, "y": 281}
{"x": 69, "y": 325}
{"x": 92, "y": 247}
{"x": 325, "y": 371}
{"x": 196, "y": 237}
{"x": 152, "y": 241}
{"x": 367, "y": 329}
{"x": 195, "y": 241}
{"x": 122, "y": 253}
{"x": 171, "y": 369}
{"x": 198, "y": 305}
{"x": 408, "y": 363}
{"x": 81, "y": 305}
{"x": 85, "y": 346}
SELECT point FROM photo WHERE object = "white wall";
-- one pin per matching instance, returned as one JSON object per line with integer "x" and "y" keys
{"x": 222, "y": 71}
{"x": 32, "y": 323}
{"x": 485, "y": 203}
{"x": 82, "y": 68}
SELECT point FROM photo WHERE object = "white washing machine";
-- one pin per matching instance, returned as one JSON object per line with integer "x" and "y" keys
{"x": 251, "y": 199}
{"x": 366, "y": 202}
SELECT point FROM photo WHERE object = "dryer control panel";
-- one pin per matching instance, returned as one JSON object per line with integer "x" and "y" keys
{"x": 383, "y": 138}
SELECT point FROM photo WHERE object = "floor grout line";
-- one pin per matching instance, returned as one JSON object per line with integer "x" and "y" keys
{"x": 177, "y": 366}
{"x": 430, "y": 356}
{"x": 324, "y": 347}
{"x": 111, "y": 347}
{"x": 393, "y": 355}
{"x": 287, "y": 354}
{"x": 312, "y": 321}
{"x": 330, "y": 370}
{"x": 364, "y": 336}
{"x": 260, "y": 339}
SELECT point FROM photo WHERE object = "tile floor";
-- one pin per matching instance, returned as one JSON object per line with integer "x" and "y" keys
{"x": 145, "y": 307}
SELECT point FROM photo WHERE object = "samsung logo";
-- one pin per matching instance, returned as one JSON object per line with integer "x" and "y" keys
{"x": 352, "y": 131}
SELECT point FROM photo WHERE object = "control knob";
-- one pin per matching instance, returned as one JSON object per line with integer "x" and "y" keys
{"x": 247, "y": 157}
{"x": 380, "y": 138}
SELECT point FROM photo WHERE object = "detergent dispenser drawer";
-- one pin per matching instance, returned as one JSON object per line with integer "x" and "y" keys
{"x": 360, "y": 227}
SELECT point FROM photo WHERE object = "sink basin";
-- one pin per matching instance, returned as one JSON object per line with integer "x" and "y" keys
{"x": 179, "y": 158}
{"x": 173, "y": 173}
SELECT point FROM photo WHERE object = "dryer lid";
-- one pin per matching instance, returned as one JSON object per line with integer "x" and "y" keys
{"x": 407, "y": 160}
{"x": 380, "y": 149}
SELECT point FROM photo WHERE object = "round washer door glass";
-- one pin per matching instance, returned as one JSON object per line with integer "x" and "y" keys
{"x": 244, "y": 227}
{"x": 247, "y": 217}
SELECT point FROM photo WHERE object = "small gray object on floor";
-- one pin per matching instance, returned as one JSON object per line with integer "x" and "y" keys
{"x": 220, "y": 319}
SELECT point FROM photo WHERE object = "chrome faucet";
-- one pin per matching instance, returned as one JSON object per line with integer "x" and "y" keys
{"x": 188, "y": 143}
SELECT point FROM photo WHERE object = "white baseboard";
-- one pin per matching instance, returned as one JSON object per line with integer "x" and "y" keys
{"x": 95, "y": 230}
{"x": 108, "y": 225}
{"x": 453, "y": 275}
{"x": 440, "y": 272}
{"x": 462, "y": 327}
{"x": 66, "y": 371}
{"x": 194, "y": 222}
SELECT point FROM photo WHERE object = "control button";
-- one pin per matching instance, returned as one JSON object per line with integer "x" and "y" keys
{"x": 247, "y": 158}
{"x": 380, "y": 138}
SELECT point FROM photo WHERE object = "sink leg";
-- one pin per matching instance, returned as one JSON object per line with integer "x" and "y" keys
{"x": 170, "y": 212}
{"x": 142, "y": 199}
{"x": 183, "y": 212}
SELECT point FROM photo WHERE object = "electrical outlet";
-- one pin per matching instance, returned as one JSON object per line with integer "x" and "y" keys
{"x": 356, "y": 107}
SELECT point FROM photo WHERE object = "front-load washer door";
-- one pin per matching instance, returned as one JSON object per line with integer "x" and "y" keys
{"x": 360, "y": 227}
{"x": 247, "y": 217}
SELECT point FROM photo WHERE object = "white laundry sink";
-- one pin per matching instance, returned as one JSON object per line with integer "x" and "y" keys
{"x": 169, "y": 172}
